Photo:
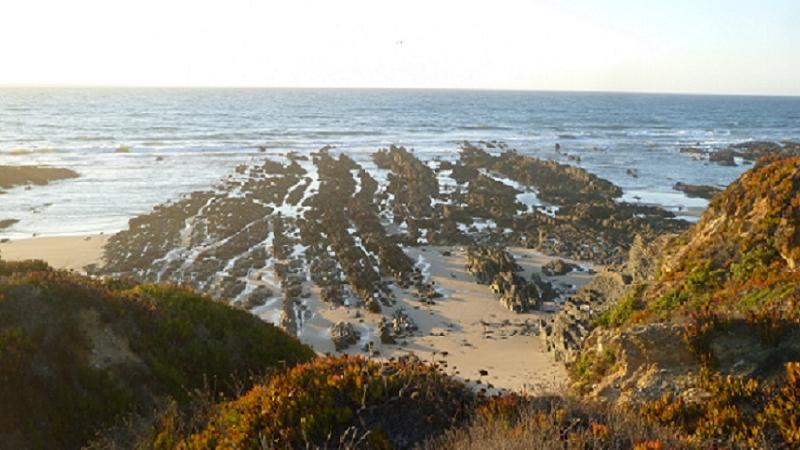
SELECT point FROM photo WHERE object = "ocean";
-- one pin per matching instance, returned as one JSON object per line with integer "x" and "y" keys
{"x": 181, "y": 140}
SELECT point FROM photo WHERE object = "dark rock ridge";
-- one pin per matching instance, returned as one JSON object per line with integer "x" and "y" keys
{"x": 279, "y": 229}
{"x": 497, "y": 268}
{"x": 577, "y": 215}
{"x": 515, "y": 293}
{"x": 486, "y": 263}
{"x": 276, "y": 226}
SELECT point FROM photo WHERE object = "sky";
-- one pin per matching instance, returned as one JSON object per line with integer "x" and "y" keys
{"x": 682, "y": 46}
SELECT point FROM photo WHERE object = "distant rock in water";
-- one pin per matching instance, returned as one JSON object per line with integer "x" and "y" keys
{"x": 748, "y": 151}
{"x": 5, "y": 223}
{"x": 697, "y": 190}
{"x": 723, "y": 157}
{"x": 12, "y": 176}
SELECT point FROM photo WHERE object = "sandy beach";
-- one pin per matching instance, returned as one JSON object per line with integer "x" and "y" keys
{"x": 469, "y": 330}
{"x": 61, "y": 252}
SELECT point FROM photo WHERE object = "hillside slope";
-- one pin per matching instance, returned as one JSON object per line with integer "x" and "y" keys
{"x": 710, "y": 343}
{"x": 77, "y": 353}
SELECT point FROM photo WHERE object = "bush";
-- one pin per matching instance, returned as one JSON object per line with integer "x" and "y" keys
{"x": 621, "y": 313}
{"x": 591, "y": 366}
{"x": 77, "y": 353}
{"x": 554, "y": 422}
{"x": 736, "y": 412}
{"x": 337, "y": 400}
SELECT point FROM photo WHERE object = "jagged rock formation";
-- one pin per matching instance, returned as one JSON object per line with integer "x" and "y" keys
{"x": 515, "y": 293}
{"x": 344, "y": 335}
{"x": 570, "y": 212}
{"x": 565, "y": 333}
{"x": 496, "y": 267}
{"x": 544, "y": 289}
{"x": 558, "y": 267}
{"x": 411, "y": 183}
{"x": 555, "y": 183}
{"x": 486, "y": 263}
{"x": 300, "y": 225}
{"x": 385, "y": 332}
{"x": 402, "y": 325}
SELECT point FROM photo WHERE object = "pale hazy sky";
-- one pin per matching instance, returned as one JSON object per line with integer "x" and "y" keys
{"x": 713, "y": 46}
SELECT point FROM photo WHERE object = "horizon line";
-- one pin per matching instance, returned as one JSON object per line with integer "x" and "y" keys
{"x": 385, "y": 88}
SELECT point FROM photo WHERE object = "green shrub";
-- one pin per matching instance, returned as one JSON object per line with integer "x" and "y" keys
{"x": 76, "y": 354}
{"x": 620, "y": 313}
{"x": 332, "y": 400}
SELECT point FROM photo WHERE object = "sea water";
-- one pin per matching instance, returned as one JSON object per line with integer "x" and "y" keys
{"x": 181, "y": 140}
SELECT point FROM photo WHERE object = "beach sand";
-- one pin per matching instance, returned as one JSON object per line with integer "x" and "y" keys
{"x": 61, "y": 252}
{"x": 468, "y": 329}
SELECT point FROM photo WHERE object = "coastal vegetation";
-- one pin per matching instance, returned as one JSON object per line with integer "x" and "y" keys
{"x": 79, "y": 354}
{"x": 718, "y": 322}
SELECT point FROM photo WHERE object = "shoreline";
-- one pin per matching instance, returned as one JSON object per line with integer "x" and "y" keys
{"x": 479, "y": 329}
{"x": 61, "y": 252}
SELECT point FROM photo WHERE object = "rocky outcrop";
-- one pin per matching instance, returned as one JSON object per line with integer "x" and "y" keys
{"x": 555, "y": 183}
{"x": 565, "y": 333}
{"x": 411, "y": 182}
{"x": 385, "y": 332}
{"x": 402, "y": 325}
{"x": 485, "y": 263}
{"x": 344, "y": 335}
{"x": 258, "y": 297}
{"x": 558, "y": 267}
{"x": 578, "y": 215}
{"x": 496, "y": 267}
{"x": 544, "y": 289}
{"x": 749, "y": 151}
{"x": 712, "y": 336}
{"x": 515, "y": 293}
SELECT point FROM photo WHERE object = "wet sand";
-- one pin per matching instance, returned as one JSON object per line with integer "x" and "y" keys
{"x": 61, "y": 252}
